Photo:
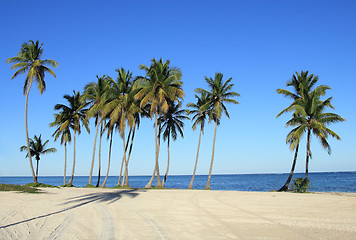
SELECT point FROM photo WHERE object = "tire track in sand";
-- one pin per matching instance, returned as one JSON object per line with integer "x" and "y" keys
{"x": 108, "y": 229}
{"x": 155, "y": 227}
{"x": 60, "y": 229}
{"x": 271, "y": 221}
{"x": 232, "y": 234}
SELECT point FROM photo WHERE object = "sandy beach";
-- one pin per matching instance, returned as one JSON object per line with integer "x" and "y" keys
{"x": 76, "y": 213}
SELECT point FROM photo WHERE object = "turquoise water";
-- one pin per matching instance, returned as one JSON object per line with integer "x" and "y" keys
{"x": 320, "y": 182}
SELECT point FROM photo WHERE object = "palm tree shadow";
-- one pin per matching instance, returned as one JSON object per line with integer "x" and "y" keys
{"x": 103, "y": 197}
{"x": 109, "y": 197}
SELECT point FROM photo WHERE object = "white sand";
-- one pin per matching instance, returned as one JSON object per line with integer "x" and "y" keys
{"x": 72, "y": 213}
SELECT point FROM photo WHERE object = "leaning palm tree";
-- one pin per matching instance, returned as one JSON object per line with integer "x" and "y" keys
{"x": 293, "y": 139}
{"x": 219, "y": 93}
{"x": 29, "y": 61}
{"x": 95, "y": 94}
{"x": 37, "y": 148}
{"x": 171, "y": 123}
{"x": 199, "y": 118}
{"x": 310, "y": 111}
{"x": 301, "y": 84}
{"x": 75, "y": 115}
{"x": 162, "y": 84}
{"x": 314, "y": 119}
{"x": 62, "y": 122}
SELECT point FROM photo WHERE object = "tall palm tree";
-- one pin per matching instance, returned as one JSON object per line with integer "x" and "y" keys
{"x": 162, "y": 84}
{"x": 301, "y": 86}
{"x": 29, "y": 61}
{"x": 74, "y": 115}
{"x": 96, "y": 96}
{"x": 109, "y": 137}
{"x": 62, "y": 123}
{"x": 171, "y": 123}
{"x": 122, "y": 110}
{"x": 219, "y": 93}
{"x": 37, "y": 148}
{"x": 310, "y": 111}
{"x": 199, "y": 118}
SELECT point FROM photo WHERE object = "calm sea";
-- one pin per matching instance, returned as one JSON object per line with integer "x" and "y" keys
{"x": 320, "y": 182}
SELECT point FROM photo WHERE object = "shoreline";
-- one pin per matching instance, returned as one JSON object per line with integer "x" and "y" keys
{"x": 96, "y": 213}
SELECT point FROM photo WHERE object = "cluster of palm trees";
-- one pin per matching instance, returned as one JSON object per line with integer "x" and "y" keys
{"x": 118, "y": 105}
{"x": 308, "y": 116}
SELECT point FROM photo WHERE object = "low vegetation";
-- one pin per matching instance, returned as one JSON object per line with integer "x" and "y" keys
{"x": 18, "y": 188}
{"x": 41, "y": 185}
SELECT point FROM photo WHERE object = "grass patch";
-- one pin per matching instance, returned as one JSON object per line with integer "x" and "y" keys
{"x": 89, "y": 186}
{"x": 123, "y": 187}
{"x": 154, "y": 187}
{"x": 18, "y": 188}
{"x": 42, "y": 185}
{"x": 67, "y": 185}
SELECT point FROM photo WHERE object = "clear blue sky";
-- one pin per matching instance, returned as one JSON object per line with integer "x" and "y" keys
{"x": 260, "y": 44}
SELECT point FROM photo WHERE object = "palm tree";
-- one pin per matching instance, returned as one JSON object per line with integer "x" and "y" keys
{"x": 199, "y": 118}
{"x": 219, "y": 93}
{"x": 310, "y": 111}
{"x": 171, "y": 123}
{"x": 74, "y": 115}
{"x": 37, "y": 148}
{"x": 313, "y": 119}
{"x": 293, "y": 139}
{"x": 161, "y": 85}
{"x": 301, "y": 84}
{"x": 63, "y": 130}
{"x": 109, "y": 136}
{"x": 122, "y": 108}
{"x": 95, "y": 94}
{"x": 29, "y": 61}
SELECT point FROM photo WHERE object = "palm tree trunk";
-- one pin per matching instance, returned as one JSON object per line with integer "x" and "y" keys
{"x": 207, "y": 187}
{"x": 122, "y": 161}
{"x": 159, "y": 183}
{"x": 92, "y": 161}
{"x": 124, "y": 147}
{"x": 101, "y": 136}
{"x": 286, "y": 185}
{"x": 27, "y": 138}
{"x": 107, "y": 173}
{"x": 70, "y": 183}
{"x": 65, "y": 163}
{"x": 165, "y": 176}
{"x": 156, "y": 169}
{"x": 128, "y": 158}
{"x": 308, "y": 155}
{"x": 38, "y": 161}
{"x": 196, "y": 161}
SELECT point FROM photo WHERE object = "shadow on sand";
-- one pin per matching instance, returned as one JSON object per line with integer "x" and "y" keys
{"x": 102, "y": 197}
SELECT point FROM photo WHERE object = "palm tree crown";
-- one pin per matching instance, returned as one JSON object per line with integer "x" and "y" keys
{"x": 38, "y": 148}
{"x": 172, "y": 123}
{"x": 29, "y": 60}
{"x": 219, "y": 93}
{"x": 161, "y": 85}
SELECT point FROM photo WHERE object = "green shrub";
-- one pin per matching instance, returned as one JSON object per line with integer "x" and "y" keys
{"x": 18, "y": 188}
{"x": 42, "y": 185}
{"x": 300, "y": 185}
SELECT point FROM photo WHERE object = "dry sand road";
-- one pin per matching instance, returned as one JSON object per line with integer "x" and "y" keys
{"x": 77, "y": 213}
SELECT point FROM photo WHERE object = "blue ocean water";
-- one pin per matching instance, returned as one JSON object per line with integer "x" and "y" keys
{"x": 320, "y": 182}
